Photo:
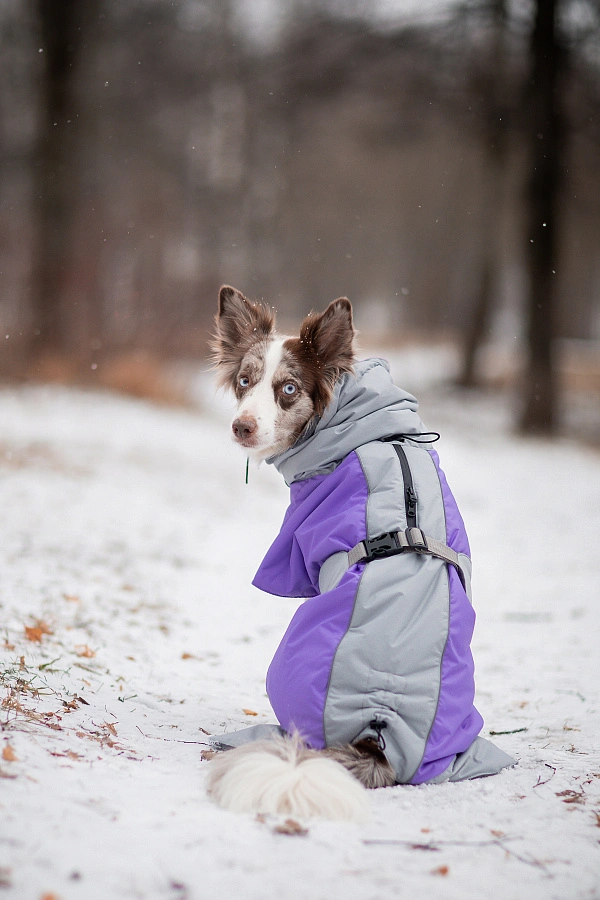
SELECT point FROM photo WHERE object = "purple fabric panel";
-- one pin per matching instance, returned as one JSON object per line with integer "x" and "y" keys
{"x": 326, "y": 514}
{"x": 457, "y": 723}
{"x": 298, "y": 676}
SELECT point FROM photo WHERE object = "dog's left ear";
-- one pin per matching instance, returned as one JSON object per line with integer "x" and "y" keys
{"x": 330, "y": 334}
{"x": 327, "y": 338}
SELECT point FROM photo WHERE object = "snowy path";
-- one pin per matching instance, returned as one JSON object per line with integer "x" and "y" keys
{"x": 129, "y": 631}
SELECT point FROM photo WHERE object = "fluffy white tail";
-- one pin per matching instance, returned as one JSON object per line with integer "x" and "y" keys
{"x": 282, "y": 776}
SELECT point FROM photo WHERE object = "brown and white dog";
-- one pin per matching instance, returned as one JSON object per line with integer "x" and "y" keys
{"x": 281, "y": 383}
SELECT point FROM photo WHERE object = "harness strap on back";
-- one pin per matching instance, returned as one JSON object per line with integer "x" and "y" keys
{"x": 412, "y": 539}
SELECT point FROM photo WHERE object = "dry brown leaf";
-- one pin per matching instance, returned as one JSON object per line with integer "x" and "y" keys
{"x": 290, "y": 826}
{"x": 36, "y": 632}
{"x": 84, "y": 650}
{"x": 33, "y": 634}
{"x": 7, "y": 645}
{"x": 49, "y": 896}
{"x": 572, "y": 796}
{"x": 111, "y": 728}
{"x": 8, "y": 754}
{"x": 207, "y": 754}
{"x": 497, "y": 834}
{"x": 188, "y": 656}
{"x": 71, "y": 598}
{"x": 441, "y": 870}
{"x": 249, "y": 712}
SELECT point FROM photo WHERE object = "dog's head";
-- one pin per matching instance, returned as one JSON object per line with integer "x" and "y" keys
{"x": 280, "y": 382}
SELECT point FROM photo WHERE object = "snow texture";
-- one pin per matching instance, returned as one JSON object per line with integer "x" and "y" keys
{"x": 129, "y": 632}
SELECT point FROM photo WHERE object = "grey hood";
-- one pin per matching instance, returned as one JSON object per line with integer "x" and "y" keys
{"x": 366, "y": 406}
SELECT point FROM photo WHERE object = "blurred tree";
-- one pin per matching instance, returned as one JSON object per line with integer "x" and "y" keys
{"x": 63, "y": 31}
{"x": 336, "y": 156}
{"x": 492, "y": 75}
{"x": 546, "y": 148}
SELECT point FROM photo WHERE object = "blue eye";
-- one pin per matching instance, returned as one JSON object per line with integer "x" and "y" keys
{"x": 244, "y": 382}
{"x": 289, "y": 388}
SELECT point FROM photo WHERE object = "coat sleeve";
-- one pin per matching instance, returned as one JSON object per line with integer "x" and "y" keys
{"x": 326, "y": 514}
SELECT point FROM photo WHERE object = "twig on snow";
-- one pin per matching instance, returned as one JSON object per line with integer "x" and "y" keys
{"x": 170, "y": 740}
{"x": 514, "y": 731}
{"x": 539, "y": 783}
{"x": 438, "y": 845}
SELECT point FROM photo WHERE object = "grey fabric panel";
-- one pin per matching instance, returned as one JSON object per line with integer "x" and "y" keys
{"x": 245, "y": 736}
{"x": 482, "y": 758}
{"x": 431, "y": 517}
{"x": 467, "y": 568}
{"x": 388, "y": 664}
{"x": 332, "y": 570}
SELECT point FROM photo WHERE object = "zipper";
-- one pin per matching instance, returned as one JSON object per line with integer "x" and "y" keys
{"x": 410, "y": 498}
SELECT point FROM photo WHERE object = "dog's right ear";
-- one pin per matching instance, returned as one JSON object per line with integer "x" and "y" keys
{"x": 239, "y": 322}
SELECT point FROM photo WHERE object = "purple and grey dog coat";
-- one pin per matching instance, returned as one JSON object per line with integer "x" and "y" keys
{"x": 374, "y": 540}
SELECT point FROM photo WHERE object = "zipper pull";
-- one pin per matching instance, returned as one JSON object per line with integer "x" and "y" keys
{"x": 378, "y": 725}
{"x": 411, "y": 502}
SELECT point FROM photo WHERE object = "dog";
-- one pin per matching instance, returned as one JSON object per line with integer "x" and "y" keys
{"x": 373, "y": 681}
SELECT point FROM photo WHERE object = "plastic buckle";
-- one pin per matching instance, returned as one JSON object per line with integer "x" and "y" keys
{"x": 416, "y": 540}
{"x": 382, "y": 546}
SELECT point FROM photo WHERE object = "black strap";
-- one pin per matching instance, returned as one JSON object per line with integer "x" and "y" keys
{"x": 428, "y": 437}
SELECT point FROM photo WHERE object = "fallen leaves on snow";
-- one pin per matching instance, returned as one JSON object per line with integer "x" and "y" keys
{"x": 572, "y": 796}
{"x": 291, "y": 827}
{"x": 207, "y": 754}
{"x": 36, "y": 632}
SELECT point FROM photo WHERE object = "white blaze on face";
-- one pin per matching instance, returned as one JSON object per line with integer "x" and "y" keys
{"x": 260, "y": 404}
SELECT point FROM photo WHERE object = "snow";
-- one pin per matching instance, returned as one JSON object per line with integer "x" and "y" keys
{"x": 128, "y": 543}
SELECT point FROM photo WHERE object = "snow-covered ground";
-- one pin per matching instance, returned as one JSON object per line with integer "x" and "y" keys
{"x": 130, "y": 632}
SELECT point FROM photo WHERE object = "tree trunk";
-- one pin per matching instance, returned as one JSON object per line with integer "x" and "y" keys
{"x": 55, "y": 175}
{"x": 545, "y": 144}
{"x": 495, "y": 137}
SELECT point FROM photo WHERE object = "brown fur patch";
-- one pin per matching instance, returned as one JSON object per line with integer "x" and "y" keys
{"x": 365, "y": 761}
{"x": 252, "y": 367}
{"x": 324, "y": 350}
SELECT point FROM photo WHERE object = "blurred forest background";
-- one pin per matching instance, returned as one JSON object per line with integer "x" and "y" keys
{"x": 437, "y": 162}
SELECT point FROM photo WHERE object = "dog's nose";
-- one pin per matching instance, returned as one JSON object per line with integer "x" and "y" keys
{"x": 244, "y": 428}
